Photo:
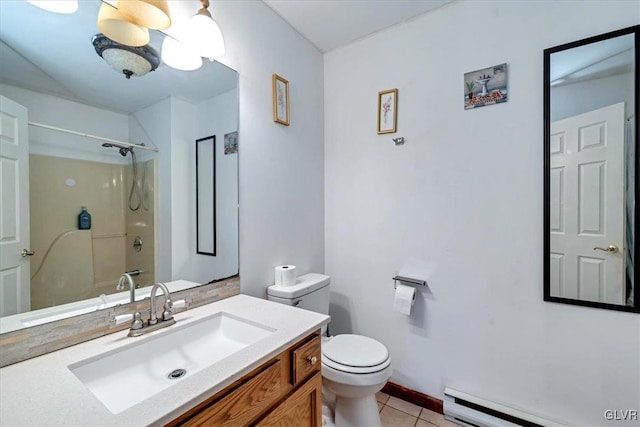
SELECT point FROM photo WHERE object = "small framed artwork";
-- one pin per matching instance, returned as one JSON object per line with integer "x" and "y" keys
{"x": 280, "y": 100}
{"x": 231, "y": 143}
{"x": 387, "y": 111}
{"x": 484, "y": 87}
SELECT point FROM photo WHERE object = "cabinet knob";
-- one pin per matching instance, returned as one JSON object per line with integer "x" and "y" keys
{"x": 312, "y": 360}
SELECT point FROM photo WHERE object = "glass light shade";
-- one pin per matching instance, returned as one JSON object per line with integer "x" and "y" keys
{"x": 57, "y": 6}
{"x": 121, "y": 60}
{"x": 152, "y": 14}
{"x": 114, "y": 25}
{"x": 180, "y": 56}
{"x": 205, "y": 37}
{"x": 128, "y": 60}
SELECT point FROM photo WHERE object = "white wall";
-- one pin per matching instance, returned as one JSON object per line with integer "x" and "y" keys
{"x": 281, "y": 168}
{"x": 59, "y": 112}
{"x": 577, "y": 98}
{"x": 219, "y": 116}
{"x": 174, "y": 125}
{"x": 182, "y": 188}
{"x": 152, "y": 125}
{"x": 463, "y": 201}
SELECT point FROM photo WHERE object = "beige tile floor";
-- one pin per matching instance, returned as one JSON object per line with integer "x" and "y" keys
{"x": 396, "y": 412}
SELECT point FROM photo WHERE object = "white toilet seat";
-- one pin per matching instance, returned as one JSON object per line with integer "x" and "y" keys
{"x": 358, "y": 380}
{"x": 355, "y": 360}
{"x": 355, "y": 353}
{"x": 356, "y": 370}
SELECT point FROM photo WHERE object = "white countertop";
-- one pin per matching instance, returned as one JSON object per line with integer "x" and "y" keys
{"x": 43, "y": 391}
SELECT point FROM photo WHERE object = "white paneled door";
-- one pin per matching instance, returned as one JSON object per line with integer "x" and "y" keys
{"x": 587, "y": 206}
{"x": 15, "y": 295}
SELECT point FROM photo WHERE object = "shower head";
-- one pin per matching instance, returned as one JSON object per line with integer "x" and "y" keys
{"x": 123, "y": 150}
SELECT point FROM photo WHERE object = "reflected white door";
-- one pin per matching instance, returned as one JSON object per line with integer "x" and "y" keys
{"x": 587, "y": 205}
{"x": 15, "y": 294}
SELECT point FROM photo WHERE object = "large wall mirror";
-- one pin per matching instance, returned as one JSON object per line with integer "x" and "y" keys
{"x": 591, "y": 97}
{"x": 49, "y": 65}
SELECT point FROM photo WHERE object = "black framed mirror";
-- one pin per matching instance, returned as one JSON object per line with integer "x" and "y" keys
{"x": 591, "y": 97}
{"x": 206, "y": 195}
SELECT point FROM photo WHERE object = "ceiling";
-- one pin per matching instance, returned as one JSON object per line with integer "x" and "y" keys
{"x": 52, "y": 53}
{"x": 595, "y": 60}
{"x": 329, "y": 24}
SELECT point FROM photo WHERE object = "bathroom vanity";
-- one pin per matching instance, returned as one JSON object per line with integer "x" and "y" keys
{"x": 286, "y": 390}
{"x": 272, "y": 377}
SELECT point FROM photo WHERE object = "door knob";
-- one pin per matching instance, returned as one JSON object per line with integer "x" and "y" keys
{"x": 613, "y": 249}
{"x": 26, "y": 252}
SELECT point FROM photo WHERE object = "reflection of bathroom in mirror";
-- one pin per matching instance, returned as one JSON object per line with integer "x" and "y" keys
{"x": 591, "y": 98}
{"x": 65, "y": 84}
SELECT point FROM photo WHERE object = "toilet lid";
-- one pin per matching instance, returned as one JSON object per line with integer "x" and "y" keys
{"x": 355, "y": 351}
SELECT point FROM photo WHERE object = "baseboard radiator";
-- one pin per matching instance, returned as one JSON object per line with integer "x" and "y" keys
{"x": 465, "y": 409}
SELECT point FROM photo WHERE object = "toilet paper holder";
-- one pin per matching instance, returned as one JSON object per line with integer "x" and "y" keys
{"x": 408, "y": 280}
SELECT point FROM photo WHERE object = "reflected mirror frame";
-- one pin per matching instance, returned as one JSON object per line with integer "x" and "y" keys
{"x": 199, "y": 163}
{"x": 547, "y": 164}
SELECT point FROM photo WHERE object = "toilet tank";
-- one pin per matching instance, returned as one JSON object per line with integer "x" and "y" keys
{"x": 310, "y": 292}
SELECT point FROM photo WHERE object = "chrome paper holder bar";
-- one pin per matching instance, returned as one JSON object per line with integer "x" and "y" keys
{"x": 408, "y": 280}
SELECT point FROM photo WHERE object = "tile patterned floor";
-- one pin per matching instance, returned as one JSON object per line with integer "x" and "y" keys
{"x": 396, "y": 412}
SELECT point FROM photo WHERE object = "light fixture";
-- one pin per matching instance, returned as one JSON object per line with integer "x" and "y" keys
{"x": 152, "y": 14}
{"x": 57, "y": 6}
{"x": 128, "y": 60}
{"x": 204, "y": 35}
{"x": 180, "y": 56}
{"x": 113, "y": 24}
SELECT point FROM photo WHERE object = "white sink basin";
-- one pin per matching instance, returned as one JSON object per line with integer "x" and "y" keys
{"x": 125, "y": 377}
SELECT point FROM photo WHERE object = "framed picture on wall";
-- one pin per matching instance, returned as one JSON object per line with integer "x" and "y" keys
{"x": 387, "y": 111}
{"x": 231, "y": 143}
{"x": 280, "y": 100}
{"x": 487, "y": 86}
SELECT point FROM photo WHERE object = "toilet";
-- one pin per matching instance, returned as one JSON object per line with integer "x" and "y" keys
{"x": 354, "y": 367}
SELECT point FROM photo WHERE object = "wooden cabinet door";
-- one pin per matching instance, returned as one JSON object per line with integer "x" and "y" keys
{"x": 245, "y": 403}
{"x": 302, "y": 409}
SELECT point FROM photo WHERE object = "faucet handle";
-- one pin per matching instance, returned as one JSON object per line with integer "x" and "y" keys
{"x": 167, "y": 314}
{"x": 137, "y": 321}
{"x": 169, "y": 306}
{"x": 136, "y": 317}
{"x": 123, "y": 318}
{"x": 181, "y": 303}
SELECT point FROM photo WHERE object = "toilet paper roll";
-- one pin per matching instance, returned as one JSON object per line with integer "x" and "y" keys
{"x": 285, "y": 275}
{"x": 404, "y": 298}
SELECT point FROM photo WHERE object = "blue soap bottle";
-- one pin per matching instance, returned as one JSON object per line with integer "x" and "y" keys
{"x": 84, "y": 219}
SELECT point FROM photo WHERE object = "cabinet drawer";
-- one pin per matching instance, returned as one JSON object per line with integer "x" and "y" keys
{"x": 246, "y": 402}
{"x": 306, "y": 360}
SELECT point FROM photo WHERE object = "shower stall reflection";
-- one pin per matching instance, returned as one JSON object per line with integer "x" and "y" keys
{"x": 72, "y": 264}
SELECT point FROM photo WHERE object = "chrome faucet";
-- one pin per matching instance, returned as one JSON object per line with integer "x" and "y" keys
{"x": 132, "y": 286}
{"x": 166, "y": 313}
{"x": 139, "y": 327}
